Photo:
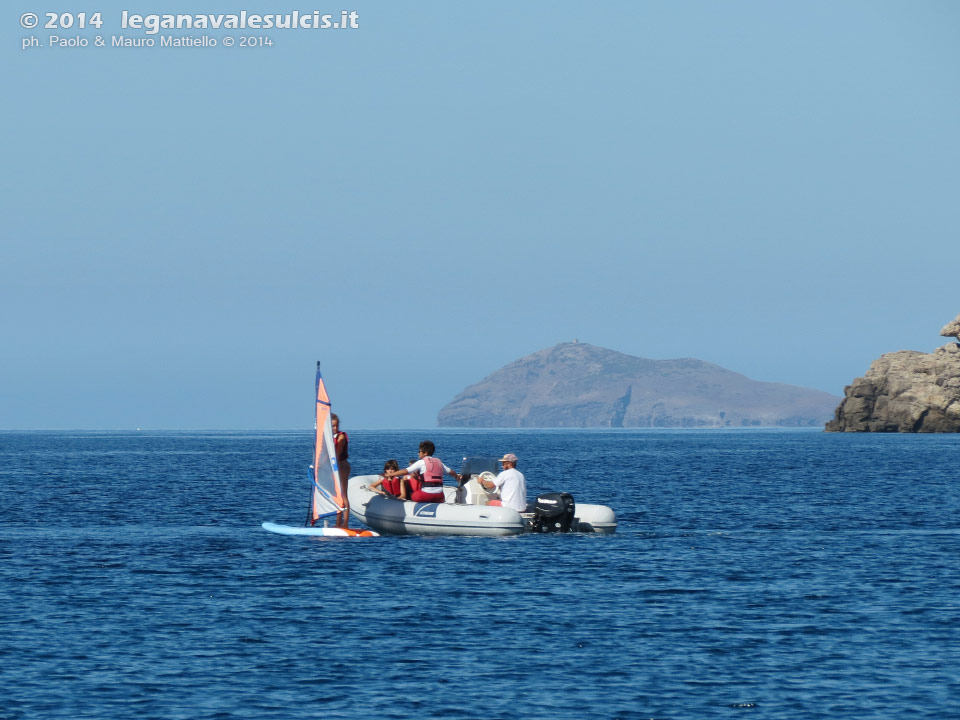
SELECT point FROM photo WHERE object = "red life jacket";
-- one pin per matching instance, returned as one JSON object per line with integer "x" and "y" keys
{"x": 432, "y": 475}
{"x": 342, "y": 450}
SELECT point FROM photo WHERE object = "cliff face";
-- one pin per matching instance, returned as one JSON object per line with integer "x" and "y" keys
{"x": 905, "y": 391}
{"x": 581, "y": 385}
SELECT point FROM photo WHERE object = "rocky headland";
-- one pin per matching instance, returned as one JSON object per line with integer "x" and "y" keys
{"x": 581, "y": 385}
{"x": 905, "y": 391}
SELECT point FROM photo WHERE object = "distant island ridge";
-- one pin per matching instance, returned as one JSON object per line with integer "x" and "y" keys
{"x": 576, "y": 384}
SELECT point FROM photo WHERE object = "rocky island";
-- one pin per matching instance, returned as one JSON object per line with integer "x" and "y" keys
{"x": 580, "y": 385}
{"x": 906, "y": 391}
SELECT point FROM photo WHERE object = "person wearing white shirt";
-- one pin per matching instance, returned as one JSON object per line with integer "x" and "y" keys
{"x": 510, "y": 483}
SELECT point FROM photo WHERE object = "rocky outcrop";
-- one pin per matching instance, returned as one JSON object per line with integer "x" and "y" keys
{"x": 905, "y": 391}
{"x": 952, "y": 328}
{"x": 581, "y": 385}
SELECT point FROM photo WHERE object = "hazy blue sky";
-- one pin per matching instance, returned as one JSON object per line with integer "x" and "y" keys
{"x": 769, "y": 186}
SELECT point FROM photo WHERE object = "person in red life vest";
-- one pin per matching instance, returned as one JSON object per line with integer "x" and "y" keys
{"x": 431, "y": 470}
{"x": 387, "y": 485}
{"x": 409, "y": 483}
{"x": 340, "y": 442}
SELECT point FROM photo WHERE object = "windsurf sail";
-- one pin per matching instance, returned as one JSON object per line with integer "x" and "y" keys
{"x": 326, "y": 499}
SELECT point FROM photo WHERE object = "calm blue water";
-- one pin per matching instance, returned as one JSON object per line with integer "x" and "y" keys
{"x": 755, "y": 574}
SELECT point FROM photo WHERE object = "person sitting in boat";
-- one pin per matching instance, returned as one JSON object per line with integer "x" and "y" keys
{"x": 387, "y": 485}
{"x": 510, "y": 483}
{"x": 410, "y": 482}
{"x": 430, "y": 486}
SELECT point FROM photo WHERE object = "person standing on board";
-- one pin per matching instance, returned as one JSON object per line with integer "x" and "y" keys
{"x": 431, "y": 470}
{"x": 340, "y": 442}
{"x": 511, "y": 484}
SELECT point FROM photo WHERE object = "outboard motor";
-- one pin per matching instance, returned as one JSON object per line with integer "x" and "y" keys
{"x": 552, "y": 512}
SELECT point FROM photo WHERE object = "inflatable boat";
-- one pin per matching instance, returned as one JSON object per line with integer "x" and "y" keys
{"x": 465, "y": 510}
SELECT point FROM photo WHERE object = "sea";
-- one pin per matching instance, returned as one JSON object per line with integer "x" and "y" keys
{"x": 783, "y": 574}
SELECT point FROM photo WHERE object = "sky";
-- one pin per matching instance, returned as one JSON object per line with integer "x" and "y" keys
{"x": 420, "y": 200}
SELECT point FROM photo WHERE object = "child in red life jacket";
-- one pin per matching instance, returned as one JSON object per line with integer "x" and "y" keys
{"x": 411, "y": 483}
{"x": 389, "y": 484}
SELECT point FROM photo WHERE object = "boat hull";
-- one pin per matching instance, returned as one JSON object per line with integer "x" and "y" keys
{"x": 387, "y": 515}
{"x": 594, "y": 519}
{"x": 390, "y": 516}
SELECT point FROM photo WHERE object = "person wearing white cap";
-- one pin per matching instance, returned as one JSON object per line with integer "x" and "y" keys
{"x": 511, "y": 484}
